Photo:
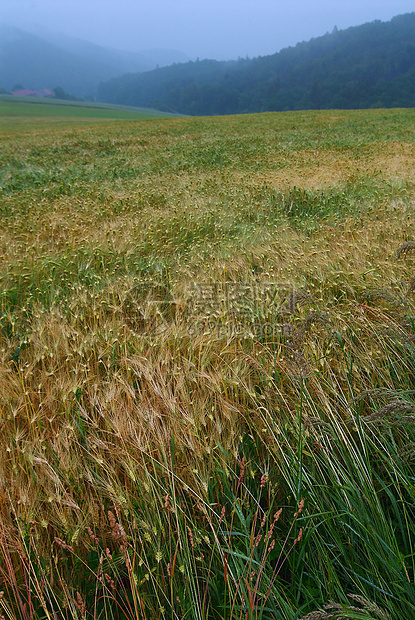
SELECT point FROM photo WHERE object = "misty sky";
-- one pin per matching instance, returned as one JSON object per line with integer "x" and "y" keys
{"x": 221, "y": 29}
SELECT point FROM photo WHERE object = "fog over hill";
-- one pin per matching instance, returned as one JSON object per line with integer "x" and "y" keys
{"x": 372, "y": 65}
{"x": 47, "y": 59}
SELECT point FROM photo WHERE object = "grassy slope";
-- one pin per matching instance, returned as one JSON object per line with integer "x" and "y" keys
{"x": 22, "y": 112}
{"x": 204, "y": 321}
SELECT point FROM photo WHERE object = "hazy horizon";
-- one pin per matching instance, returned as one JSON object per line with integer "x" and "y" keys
{"x": 218, "y": 30}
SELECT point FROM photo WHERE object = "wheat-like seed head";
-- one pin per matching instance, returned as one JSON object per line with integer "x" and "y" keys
{"x": 405, "y": 248}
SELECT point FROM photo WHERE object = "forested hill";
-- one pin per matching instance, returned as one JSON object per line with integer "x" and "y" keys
{"x": 372, "y": 65}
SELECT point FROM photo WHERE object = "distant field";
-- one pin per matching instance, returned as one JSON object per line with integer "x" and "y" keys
{"x": 207, "y": 365}
{"x": 23, "y": 112}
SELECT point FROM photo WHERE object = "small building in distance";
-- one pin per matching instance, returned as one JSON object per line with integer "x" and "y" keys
{"x": 27, "y": 92}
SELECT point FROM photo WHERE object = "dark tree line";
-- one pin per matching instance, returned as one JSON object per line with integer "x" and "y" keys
{"x": 372, "y": 65}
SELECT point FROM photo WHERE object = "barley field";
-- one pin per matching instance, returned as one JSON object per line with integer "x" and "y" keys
{"x": 207, "y": 367}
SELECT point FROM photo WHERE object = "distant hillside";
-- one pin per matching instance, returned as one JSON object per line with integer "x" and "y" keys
{"x": 372, "y": 65}
{"x": 47, "y": 61}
